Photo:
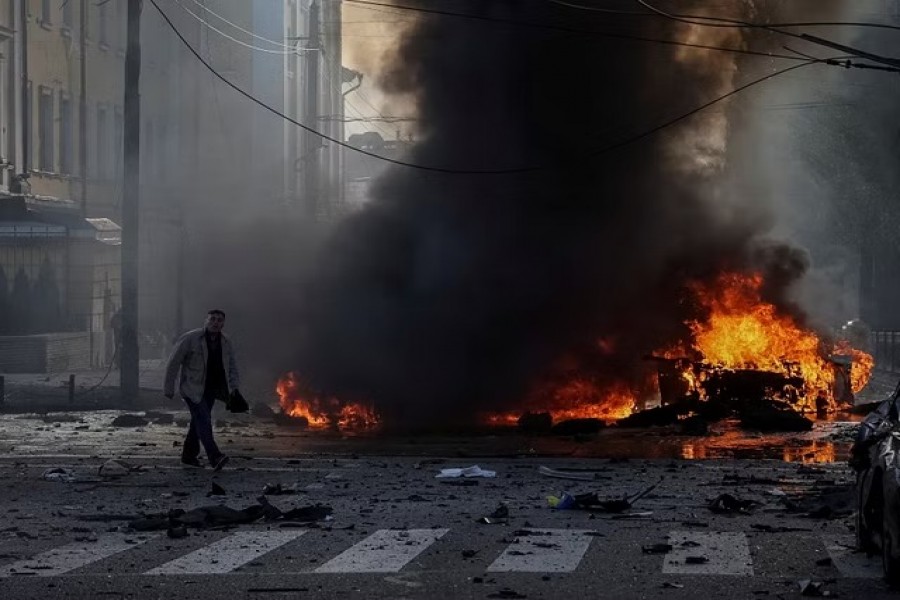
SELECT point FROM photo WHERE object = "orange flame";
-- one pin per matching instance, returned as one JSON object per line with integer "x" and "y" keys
{"x": 576, "y": 399}
{"x": 297, "y": 400}
{"x": 862, "y": 365}
{"x": 743, "y": 331}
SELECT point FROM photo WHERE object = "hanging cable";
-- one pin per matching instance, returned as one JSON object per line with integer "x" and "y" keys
{"x": 572, "y": 30}
{"x": 232, "y": 38}
{"x": 239, "y": 28}
{"x": 568, "y": 163}
{"x": 720, "y": 20}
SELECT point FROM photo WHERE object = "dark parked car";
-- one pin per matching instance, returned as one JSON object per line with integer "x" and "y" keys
{"x": 876, "y": 459}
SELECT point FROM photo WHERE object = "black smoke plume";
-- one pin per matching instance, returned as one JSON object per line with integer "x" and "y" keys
{"x": 454, "y": 293}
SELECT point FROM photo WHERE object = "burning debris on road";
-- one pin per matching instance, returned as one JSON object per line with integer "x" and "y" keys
{"x": 741, "y": 356}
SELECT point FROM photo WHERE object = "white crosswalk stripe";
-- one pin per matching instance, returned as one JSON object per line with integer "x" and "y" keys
{"x": 708, "y": 553}
{"x": 392, "y": 550}
{"x": 227, "y": 554}
{"x": 544, "y": 551}
{"x": 842, "y": 550}
{"x": 385, "y": 551}
{"x": 72, "y": 556}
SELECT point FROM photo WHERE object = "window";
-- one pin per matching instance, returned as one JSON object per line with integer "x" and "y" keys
{"x": 148, "y": 164}
{"x": 120, "y": 24}
{"x": 45, "y": 130}
{"x": 66, "y": 142}
{"x": 67, "y": 14}
{"x": 104, "y": 24}
{"x": 119, "y": 140}
{"x": 45, "y": 12}
{"x": 102, "y": 142}
{"x": 28, "y": 130}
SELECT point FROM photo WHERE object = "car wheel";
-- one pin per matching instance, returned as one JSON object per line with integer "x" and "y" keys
{"x": 868, "y": 514}
{"x": 889, "y": 562}
{"x": 864, "y": 541}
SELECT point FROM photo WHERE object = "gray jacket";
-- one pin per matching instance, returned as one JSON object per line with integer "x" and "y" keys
{"x": 190, "y": 355}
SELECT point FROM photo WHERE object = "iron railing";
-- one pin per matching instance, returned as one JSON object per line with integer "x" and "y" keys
{"x": 886, "y": 350}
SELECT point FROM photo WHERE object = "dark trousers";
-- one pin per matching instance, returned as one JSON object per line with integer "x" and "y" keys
{"x": 200, "y": 430}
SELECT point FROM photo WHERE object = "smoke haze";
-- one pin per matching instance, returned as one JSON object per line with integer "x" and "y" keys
{"x": 457, "y": 292}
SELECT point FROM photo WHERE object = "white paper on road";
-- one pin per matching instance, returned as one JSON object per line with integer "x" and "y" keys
{"x": 473, "y": 471}
{"x": 842, "y": 550}
{"x": 227, "y": 554}
{"x": 385, "y": 551}
{"x": 72, "y": 556}
{"x": 712, "y": 553}
{"x": 545, "y": 551}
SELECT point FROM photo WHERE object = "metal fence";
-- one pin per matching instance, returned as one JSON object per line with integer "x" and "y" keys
{"x": 886, "y": 350}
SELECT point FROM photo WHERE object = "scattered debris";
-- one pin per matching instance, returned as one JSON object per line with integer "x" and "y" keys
{"x": 261, "y": 409}
{"x": 115, "y": 467}
{"x": 129, "y": 420}
{"x": 473, "y": 471}
{"x": 578, "y": 426}
{"x": 777, "y": 529}
{"x": 216, "y": 490}
{"x": 809, "y": 587}
{"x": 177, "y": 532}
{"x": 206, "y": 517}
{"x": 276, "y": 489}
{"x": 61, "y": 418}
{"x": 657, "y": 549}
{"x": 59, "y": 474}
{"x": 506, "y": 593}
{"x": 500, "y": 516}
{"x": 535, "y": 422}
{"x": 592, "y": 502}
{"x": 728, "y": 504}
{"x": 560, "y": 474}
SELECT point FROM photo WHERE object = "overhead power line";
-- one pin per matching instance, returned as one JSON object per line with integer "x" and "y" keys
{"x": 719, "y": 21}
{"x": 568, "y": 162}
{"x": 239, "y": 28}
{"x": 571, "y": 30}
{"x": 232, "y": 38}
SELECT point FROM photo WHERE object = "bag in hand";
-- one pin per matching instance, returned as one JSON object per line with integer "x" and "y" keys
{"x": 236, "y": 403}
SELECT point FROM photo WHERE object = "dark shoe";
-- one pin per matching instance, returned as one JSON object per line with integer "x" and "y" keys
{"x": 219, "y": 463}
{"x": 193, "y": 462}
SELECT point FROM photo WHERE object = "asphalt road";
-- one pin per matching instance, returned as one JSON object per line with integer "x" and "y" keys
{"x": 397, "y": 531}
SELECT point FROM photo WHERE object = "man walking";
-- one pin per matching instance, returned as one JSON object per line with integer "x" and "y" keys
{"x": 209, "y": 371}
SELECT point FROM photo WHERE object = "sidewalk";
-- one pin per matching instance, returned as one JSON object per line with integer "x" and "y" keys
{"x": 94, "y": 389}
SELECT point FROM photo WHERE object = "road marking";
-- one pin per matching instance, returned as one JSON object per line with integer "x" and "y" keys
{"x": 385, "y": 551}
{"x": 713, "y": 553}
{"x": 544, "y": 551}
{"x": 227, "y": 554}
{"x": 842, "y": 550}
{"x": 72, "y": 556}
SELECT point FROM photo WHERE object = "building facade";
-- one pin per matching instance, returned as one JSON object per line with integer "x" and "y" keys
{"x": 202, "y": 145}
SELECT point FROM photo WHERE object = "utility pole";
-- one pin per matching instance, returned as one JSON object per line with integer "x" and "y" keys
{"x": 313, "y": 142}
{"x": 82, "y": 114}
{"x": 82, "y": 138}
{"x": 130, "y": 207}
